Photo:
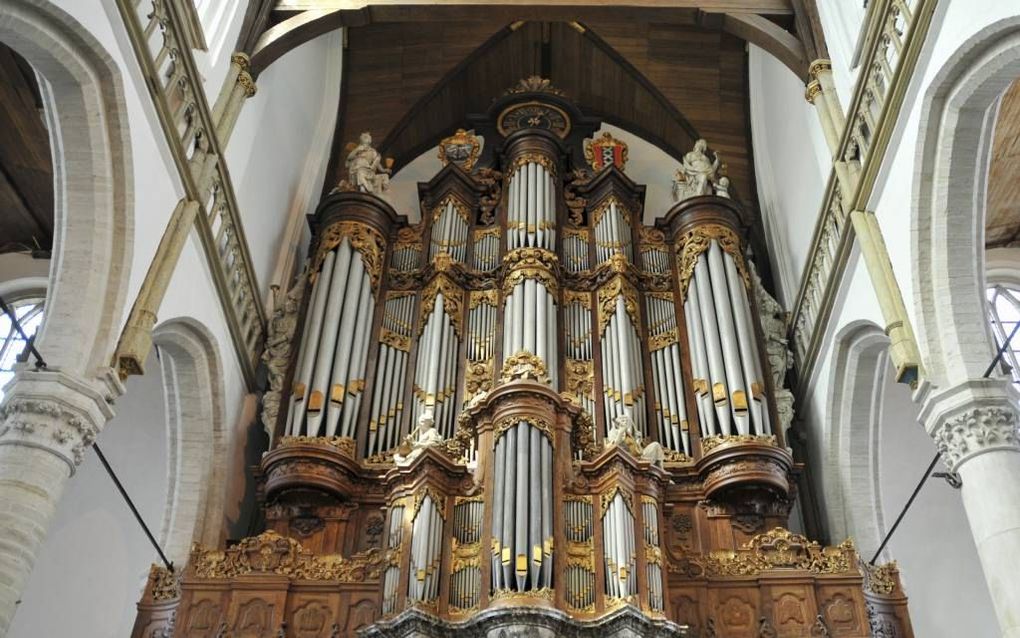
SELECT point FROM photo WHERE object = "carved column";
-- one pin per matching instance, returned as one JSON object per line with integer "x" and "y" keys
{"x": 237, "y": 86}
{"x": 974, "y": 425}
{"x": 47, "y": 421}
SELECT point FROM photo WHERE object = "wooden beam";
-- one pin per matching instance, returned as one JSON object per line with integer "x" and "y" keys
{"x": 769, "y": 36}
{"x": 304, "y": 20}
{"x": 782, "y": 7}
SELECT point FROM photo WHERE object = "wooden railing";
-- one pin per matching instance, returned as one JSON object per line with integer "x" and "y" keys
{"x": 896, "y": 33}
{"x": 159, "y": 36}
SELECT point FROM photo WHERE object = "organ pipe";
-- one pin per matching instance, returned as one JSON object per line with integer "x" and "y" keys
{"x": 725, "y": 359}
{"x": 330, "y": 373}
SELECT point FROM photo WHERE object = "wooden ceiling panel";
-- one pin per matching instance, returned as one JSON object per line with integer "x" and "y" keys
{"x": 26, "y": 171}
{"x": 411, "y": 83}
{"x": 1002, "y": 221}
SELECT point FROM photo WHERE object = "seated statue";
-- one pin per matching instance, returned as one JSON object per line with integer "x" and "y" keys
{"x": 698, "y": 175}
{"x": 366, "y": 172}
{"x": 624, "y": 433}
{"x": 424, "y": 436}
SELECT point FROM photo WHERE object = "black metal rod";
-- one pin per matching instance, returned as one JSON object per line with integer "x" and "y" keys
{"x": 39, "y": 362}
{"x": 903, "y": 512}
{"x": 931, "y": 466}
{"x": 134, "y": 510}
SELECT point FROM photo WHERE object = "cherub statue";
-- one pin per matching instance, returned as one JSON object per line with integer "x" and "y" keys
{"x": 698, "y": 175}
{"x": 423, "y": 436}
{"x": 621, "y": 432}
{"x": 366, "y": 171}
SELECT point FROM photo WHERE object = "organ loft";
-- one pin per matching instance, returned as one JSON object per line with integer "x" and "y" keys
{"x": 530, "y": 414}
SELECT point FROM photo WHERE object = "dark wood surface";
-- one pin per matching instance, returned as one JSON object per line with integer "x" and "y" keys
{"x": 413, "y": 83}
{"x": 26, "y": 170}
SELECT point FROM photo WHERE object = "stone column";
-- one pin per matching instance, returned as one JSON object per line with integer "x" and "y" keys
{"x": 47, "y": 421}
{"x": 974, "y": 425}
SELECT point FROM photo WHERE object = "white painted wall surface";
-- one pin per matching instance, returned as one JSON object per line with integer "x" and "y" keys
{"x": 278, "y": 152}
{"x": 791, "y": 163}
{"x": 93, "y": 564}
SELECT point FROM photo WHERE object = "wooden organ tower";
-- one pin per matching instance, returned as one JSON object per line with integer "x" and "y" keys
{"x": 530, "y": 414}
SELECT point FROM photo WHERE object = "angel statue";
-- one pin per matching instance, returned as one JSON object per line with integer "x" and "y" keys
{"x": 698, "y": 175}
{"x": 424, "y": 436}
{"x": 366, "y": 170}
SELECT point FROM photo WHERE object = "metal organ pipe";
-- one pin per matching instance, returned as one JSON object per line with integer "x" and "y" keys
{"x": 331, "y": 370}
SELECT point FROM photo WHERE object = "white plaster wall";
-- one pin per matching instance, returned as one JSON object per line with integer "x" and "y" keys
{"x": 278, "y": 152}
{"x": 93, "y": 564}
{"x": 940, "y": 568}
{"x": 934, "y": 546}
{"x": 791, "y": 162}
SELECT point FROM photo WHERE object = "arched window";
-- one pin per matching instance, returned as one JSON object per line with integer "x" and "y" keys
{"x": 29, "y": 311}
{"x": 1004, "y": 313}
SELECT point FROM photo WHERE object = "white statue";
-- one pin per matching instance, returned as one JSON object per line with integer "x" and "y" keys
{"x": 621, "y": 432}
{"x": 698, "y": 175}
{"x": 423, "y": 436}
{"x": 366, "y": 171}
{"x": 276, "y": 354}
{"x": 774, "y": 325}
{"x": 624, "y": 433}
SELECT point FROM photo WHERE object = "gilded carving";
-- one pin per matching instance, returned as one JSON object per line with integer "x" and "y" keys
{"x": 697, "y": 241}
{"x": 479, "y": 297}
{"x": 605, "y": 150}
{"x": 709, "y": 443}
{"x": 270, "y": 553}
{"x": 462, "y": 148}
{"x": 369, "y": 243}
{"x": 477, "y": 377}
{"x": 344, "y": 444}
{"x": 778, "y": 549}
{"x": 453, "y": 303}
{"x": 163, "y": 583}
{"x": 580, "y": 378}
{"x": 524, "y": 365}
{"x": 508, "y": 422}
{"x": 534, "y": 84}
{"x": 604, "y": 206}
{"x": 607, "y": 294}
{"x": 879, "y": 579}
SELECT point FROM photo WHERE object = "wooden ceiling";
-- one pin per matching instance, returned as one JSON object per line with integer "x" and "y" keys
{"x": 26, "y": 171}
{"x": 411, "y": 83}
{"x": 1002, "y": 220}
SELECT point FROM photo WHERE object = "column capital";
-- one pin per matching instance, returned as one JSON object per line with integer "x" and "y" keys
{"x": 972, "y": 418}
{"x": 57, "y": 412}
{"x": 820, "y": 65}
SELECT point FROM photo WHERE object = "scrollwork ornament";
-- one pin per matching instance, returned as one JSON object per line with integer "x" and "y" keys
{"x": 975, "y": 431}
{"x": 697, "y": 241}
{"x": 367, "y": 241}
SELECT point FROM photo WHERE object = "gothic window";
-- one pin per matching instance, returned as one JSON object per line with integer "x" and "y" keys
{"x": 29, "y": 311}
{"x": 1004, "y": 313}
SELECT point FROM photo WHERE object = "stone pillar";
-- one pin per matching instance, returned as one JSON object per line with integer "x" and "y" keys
{"x": 974, "y": 425}
{"x": 47, "y": 421}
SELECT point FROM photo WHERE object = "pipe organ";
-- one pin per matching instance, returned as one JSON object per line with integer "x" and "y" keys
{"x": 542, "y": 402}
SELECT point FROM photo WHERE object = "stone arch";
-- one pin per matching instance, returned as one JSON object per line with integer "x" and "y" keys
{"x": 193, "y": 390}
{"x": 86, "y": 116}
{"x": 948, "y": 214}
{"x": 851, "y": 485}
